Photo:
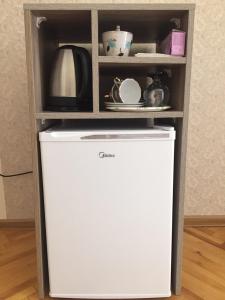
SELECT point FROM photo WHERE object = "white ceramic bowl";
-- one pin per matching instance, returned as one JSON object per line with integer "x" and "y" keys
{"x": 117, "y": 43}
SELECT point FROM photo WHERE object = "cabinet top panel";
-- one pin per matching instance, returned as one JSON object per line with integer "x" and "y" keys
{"x": 110, "y": 6}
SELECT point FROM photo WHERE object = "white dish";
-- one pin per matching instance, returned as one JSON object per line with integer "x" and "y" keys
{"x": 123, "y": 104}
{"x": 127, "y": 106}
{"x": 143, "y": 109}
{"x": 152, "y": 55}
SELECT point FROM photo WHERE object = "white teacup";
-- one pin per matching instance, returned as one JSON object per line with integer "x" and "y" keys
{"x": 127, "y": 91}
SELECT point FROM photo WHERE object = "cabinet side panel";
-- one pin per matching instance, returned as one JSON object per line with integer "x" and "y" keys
{"x": 180, "y": 165}
{"x": 42, "y": 273}
{"x": 177, "y": 241}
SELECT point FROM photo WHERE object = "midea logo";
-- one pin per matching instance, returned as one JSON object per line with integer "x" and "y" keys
{"x": 104, "y": 155}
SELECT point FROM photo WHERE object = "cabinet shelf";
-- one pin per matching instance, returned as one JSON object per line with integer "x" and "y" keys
{"x": 109, "y": 115}
{"x": 140, "y": 61}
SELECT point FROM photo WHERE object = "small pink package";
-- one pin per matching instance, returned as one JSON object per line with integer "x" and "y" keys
{"x": 174, "y": 43}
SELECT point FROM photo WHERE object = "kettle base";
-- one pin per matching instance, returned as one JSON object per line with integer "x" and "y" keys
{"x": 67, "y": 108}
{"x": 68, "y": 104}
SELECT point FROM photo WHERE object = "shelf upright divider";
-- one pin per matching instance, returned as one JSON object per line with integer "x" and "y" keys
{"x": 95, "y": 69}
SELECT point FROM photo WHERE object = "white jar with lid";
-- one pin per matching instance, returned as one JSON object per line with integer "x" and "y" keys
{"x": 117, "y": 42}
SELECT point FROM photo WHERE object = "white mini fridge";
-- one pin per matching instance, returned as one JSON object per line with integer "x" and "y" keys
{"x": 108, "y": 198}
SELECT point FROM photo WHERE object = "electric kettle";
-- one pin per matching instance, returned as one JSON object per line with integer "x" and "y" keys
{"x": 70, "y": 87}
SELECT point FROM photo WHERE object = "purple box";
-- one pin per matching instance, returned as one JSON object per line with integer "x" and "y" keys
{"x": 174, "y": 43}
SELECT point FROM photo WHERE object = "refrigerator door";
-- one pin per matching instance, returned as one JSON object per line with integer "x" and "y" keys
{"x": 108, "y": 208}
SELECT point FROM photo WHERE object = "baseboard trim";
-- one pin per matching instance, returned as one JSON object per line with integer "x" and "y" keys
{"x": 198, "y": 220}
{"x": 23, "y": 223}
{"x": 206, "y": 220}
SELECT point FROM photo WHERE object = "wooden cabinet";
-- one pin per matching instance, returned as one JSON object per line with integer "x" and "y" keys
{"x": 50, "y": 25}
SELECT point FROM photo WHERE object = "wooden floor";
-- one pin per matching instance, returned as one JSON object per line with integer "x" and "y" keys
{"x": 203, "y": 268}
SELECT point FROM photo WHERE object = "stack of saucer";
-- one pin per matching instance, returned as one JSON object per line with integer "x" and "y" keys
{"x": 116, "y": 106}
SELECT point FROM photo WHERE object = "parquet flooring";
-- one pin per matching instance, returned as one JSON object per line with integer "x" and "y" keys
{"x": 203, "y": 265}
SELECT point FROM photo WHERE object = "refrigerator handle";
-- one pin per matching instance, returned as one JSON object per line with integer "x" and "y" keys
{"x": 126, "y": 136}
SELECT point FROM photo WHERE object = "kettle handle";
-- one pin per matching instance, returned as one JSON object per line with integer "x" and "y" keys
{"x": 85, "y": 60}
